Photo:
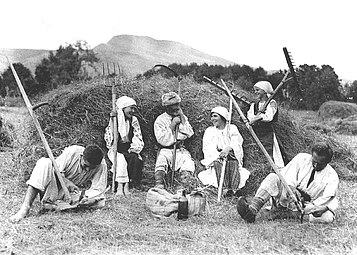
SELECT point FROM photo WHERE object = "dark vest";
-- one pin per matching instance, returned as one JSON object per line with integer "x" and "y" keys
{"x": 263, "y": 126}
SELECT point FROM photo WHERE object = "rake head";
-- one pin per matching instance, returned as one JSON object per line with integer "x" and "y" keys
{"x": 291, "y": 66}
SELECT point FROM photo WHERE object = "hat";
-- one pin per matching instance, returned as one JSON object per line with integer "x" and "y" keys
{"x": 221, "y": 111}
{"x": 265, "y": 85}
{"x": 170, "y": 98}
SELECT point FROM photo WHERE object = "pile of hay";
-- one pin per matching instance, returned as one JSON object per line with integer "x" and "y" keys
{"x": 331, "y": 110}
{"x": 6, "y": 134}
{"x": 79, "y": 113}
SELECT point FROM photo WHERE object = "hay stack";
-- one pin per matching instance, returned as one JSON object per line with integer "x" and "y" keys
{"x": 78, "y": 114}
{"x": 6, "y": 133}
{"x": 336, "y": 110}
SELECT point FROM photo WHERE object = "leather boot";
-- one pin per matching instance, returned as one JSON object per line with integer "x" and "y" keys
{"x": 159, "y": 179}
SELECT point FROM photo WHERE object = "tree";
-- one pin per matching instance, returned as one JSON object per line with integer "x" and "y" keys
{"x": 68, "y": 64}
{"x": 26, "y": 78}
{"x": 352, "y": 92}
{"x": 318, "y": 85}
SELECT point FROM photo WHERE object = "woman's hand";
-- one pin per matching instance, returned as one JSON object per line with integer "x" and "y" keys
{"x": 224, "y": 153}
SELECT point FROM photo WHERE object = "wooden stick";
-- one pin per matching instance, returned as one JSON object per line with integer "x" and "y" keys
{"x": 271, "y": 162}
{"x": 39, "y": 130}
{"x": 114, "y": 120}
{"x": 174, "y": 156}
{"x": 223, "y": 170}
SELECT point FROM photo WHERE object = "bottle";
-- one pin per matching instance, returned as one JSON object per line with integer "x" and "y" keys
{"x": 182, "y": 207}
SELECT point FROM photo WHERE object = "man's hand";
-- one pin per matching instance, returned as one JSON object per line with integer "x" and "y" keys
{"x": 296, "y": 192}
{"x": 316, "y": 211}
{"x": 175, "y": 121}
{"x": 182, "y": 116}
{"x": 70, "y": 185}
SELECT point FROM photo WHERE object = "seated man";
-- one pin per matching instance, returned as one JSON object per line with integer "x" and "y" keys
{"x": 78, "y": 165}
{"x": 308, "y": 176}
{"x": 164, "y": 129}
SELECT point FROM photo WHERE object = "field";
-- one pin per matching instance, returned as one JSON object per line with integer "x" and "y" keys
{"x": 125, "y": 226}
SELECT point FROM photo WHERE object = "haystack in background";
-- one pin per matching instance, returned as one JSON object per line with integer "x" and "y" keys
{"x": 335, "y": 117}
{"x": 79, "y": 113}
{"x": 332, "y": 110}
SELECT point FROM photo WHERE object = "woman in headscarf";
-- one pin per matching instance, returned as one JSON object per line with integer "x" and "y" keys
{"x": 222, "y": 141}
{"x": 262, "y": 121}
{"x": 130, "y": 144}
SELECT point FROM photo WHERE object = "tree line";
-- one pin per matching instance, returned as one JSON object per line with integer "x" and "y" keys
{"x": 70, "y": 63}
{"x": 316, "y": 85}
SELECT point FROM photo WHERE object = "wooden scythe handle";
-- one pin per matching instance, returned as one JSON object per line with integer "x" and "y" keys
{"x": 271, "y": 162}
{"x": 42, "y": 136}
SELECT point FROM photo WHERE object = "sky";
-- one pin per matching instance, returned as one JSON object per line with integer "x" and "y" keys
{"x": 254, "y": 32}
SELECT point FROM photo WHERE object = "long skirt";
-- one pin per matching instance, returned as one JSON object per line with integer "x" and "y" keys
{"x": 231, "y": 176}
{"x": 135, "y": 167}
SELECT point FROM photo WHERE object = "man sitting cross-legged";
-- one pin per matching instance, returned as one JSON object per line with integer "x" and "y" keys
{"x": 308, "y": 176}
{"x": 77, "y": 165}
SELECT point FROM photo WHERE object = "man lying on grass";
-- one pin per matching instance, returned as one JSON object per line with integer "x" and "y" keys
{"x": 78, "y": 166}
{"x": 310, "y": 177}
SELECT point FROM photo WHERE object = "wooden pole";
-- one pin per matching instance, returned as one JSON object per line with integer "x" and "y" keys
{"x": 114, "y": 120}
{"x": 39, "y": 130}
{"x": 174, "y": 156}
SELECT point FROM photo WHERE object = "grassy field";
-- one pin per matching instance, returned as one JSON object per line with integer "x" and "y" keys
{"x": 125, "y": 226}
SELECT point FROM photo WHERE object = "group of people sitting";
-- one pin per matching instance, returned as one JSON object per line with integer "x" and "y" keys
{"x": 309, "y": 176}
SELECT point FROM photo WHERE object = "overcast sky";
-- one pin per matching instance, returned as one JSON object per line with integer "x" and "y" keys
{"x": 251, "y": 32}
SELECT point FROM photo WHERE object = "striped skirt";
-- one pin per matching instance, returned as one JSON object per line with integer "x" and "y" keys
{"x": 231, "y": 175}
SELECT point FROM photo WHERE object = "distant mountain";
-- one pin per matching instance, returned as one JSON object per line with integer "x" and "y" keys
{"x": 137, "y": 54}
{"x": 29, "y": 58}
{"x": 134, "y": 54}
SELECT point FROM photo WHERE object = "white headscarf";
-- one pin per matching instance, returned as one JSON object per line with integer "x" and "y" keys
{"x": 122, "y": 102}
{"x": 221, "y": 111}
{"x": 265, "y": 85}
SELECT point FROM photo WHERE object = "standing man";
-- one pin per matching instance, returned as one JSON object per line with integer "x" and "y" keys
{"x": 78, "y": 166}
{"x": 310, "y": 178}
{"x": 164, "y": 129}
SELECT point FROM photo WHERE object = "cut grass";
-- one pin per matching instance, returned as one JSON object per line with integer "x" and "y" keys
{"x": 125, "y": 226}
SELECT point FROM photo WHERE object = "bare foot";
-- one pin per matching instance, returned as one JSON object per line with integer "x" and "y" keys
{"x": 120, "y": 189}
{"x": 119, "y": 193}
{"x": 20, "y": 214}
{"x": 126, "y": 189}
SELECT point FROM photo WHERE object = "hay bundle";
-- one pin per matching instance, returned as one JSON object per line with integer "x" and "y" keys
{"x": 78, "y": 114}
{"x": 6, "y": 133}
{"x": 336, "y": 110}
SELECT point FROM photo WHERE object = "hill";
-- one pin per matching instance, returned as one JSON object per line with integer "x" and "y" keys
{"x": 134, "y": 54}
{"x": 137, "y": 54}
{"x": 28, "y": 57}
